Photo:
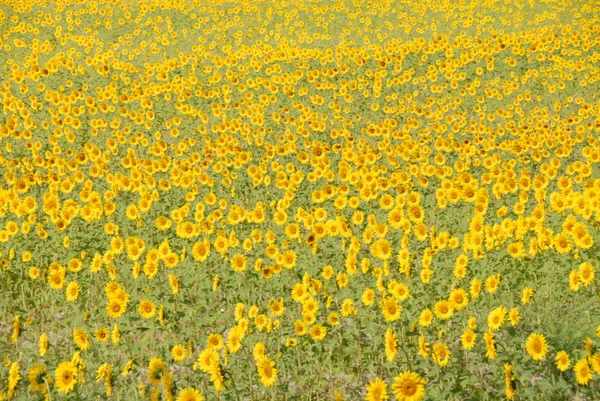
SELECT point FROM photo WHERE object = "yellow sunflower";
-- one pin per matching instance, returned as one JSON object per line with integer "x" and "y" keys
{"x": 408, "y": 386}
{"x": 65, "y": 376}
{"x": 536, "y": 346}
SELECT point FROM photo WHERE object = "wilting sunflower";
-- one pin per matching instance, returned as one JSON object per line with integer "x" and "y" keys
{"x": 408, "y": 386}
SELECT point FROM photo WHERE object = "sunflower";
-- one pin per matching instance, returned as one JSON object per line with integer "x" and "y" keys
{"x": 147, "y": 309}
{"x": 376, "y": 390}
{"x": 586, "y": 273}
{"x": 101, "y": 335}
{"x": 318, "y": 332}
{"x": 425, "y": 318}
{"x": 408, "y": 386}
{"x": 423, "y": 347}
{"x": 258, "y": 351}
{"x": 443, "y": 309}
{"x": 43, "y": 344}
{"x": 496, "y": 318}
{"x": 206, "y": 360}
{"x": 490, "y": 344}
{"x": 38, "y": 377}
{"x": 509, "y": 379}
{"x": 460, "y": 266}
{"x": 115, "y": 308}
{"x": 72, "y": 291}
{"x": 594, "y": 360}
{"x": 515, "y": 250}
{"x": 562, "y": 244}
{"x": 13, "y": 378}
{"x": 514, "y": 316}
{"x": 458, "y": 299}
{"x": 300, "y": 327}
{"x": 441, "y": 354}
{"x": 215, "y": 341}
{"x": 426, "y": 275}
{"x": 368, "y": 297}
{"x": 381, "y": 249}
{"x": 400, "y": 291}
{"x": 475, "y": 288}
{"x": 57, "y": 279}
{"x": 492, "y": 283}
{"x": 562, "y": 361}
{"x": 468, "y": 339}
{"x": 583, "y": 373}
{"x": 234, "y": 340}
{"x": 156, "y": 370}
{"x": 574, "y": 280}
{"x": 116, "y": 335}
{"x": 81, "y": 338}
{"x": 216, "y": 377}
{"x": 526, "y": 296}
{"x": 238, "y": 262}
{"x": 266, "y": 371}
{"x": 178, "y": 352}
{"x": 391, "y": 309}
{"x": 416, "y": 213}
{"x": 189, "y": 394}
{"x": 536, "y": 346}
{"x": 65, "y": 376}
{"x": 391, "y": 345}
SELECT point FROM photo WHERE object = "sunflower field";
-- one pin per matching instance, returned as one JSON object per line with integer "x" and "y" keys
{"x": 299, "y": 200}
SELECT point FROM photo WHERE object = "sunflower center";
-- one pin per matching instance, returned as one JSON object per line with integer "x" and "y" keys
{"x": 409, "y": 389}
